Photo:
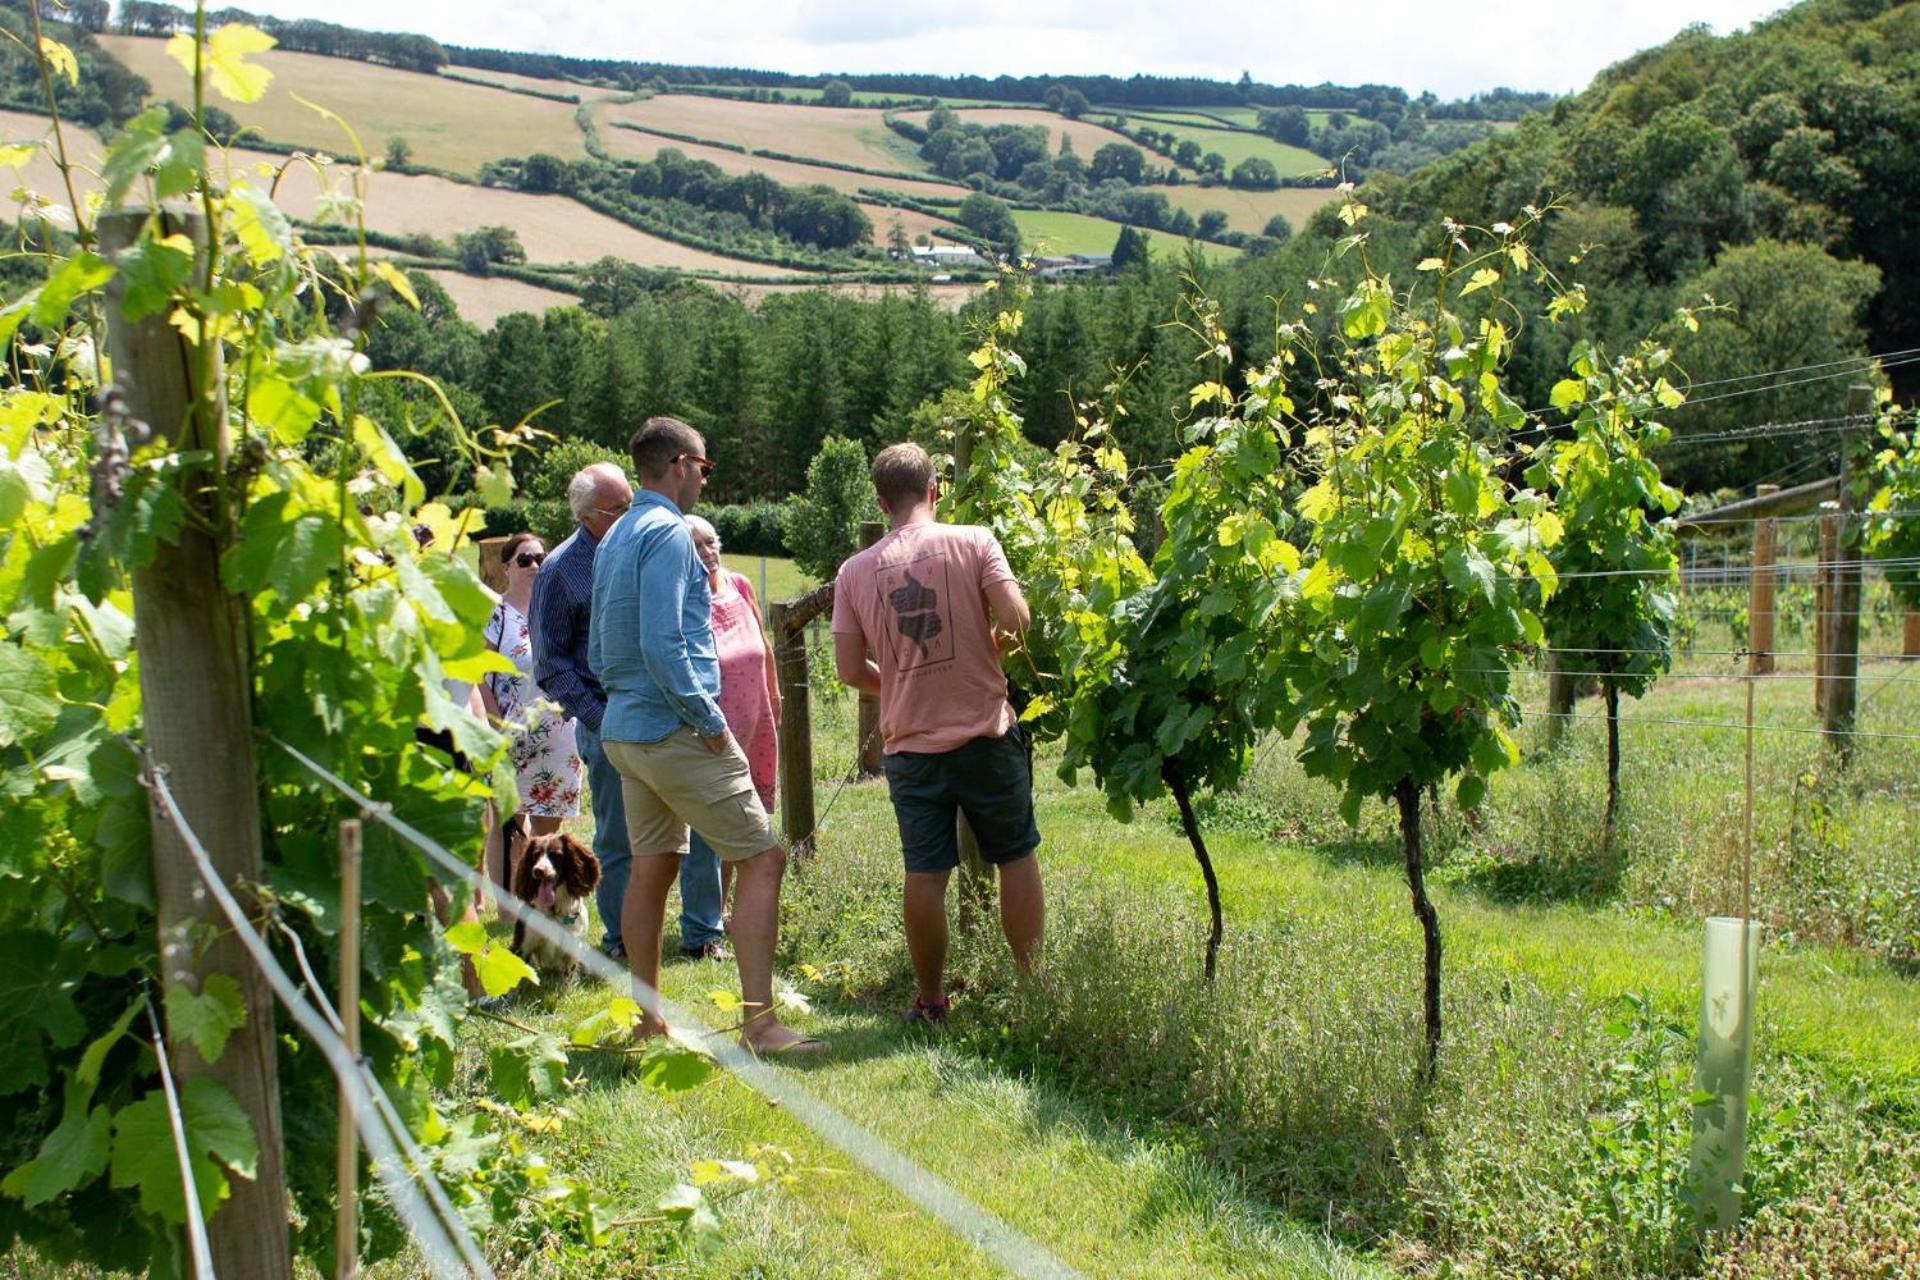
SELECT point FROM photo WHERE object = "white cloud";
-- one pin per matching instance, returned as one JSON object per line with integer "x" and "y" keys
{"x": 1415, "y": 44}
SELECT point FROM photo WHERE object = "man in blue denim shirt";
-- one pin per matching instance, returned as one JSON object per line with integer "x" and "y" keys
{"x": 650, "y": 641}
{"x": 562, "y": 595}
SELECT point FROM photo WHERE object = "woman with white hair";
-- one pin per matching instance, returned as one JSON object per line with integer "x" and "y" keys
{"x": 749, "y": 691}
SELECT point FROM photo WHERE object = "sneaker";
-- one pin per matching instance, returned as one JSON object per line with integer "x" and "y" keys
{"x": 931, "y": 1014}
{"x": 712, "y": 950}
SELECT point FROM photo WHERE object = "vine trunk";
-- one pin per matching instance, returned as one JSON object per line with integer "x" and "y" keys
{"x": 1407, "y": 793}
{"x": 1178, "y": 786}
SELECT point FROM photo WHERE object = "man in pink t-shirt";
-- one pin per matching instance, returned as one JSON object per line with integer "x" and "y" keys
{"x": 920, "y": 618}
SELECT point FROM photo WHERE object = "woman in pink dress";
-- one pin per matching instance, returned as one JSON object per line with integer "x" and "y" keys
{"x": 749, "y": 692}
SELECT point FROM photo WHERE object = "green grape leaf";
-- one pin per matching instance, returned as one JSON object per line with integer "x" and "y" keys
{"x": 528, "y": 1069}
{"x": 77, "y": 275}
{"x": 73, "y": 1154}
{"x": 675, "y": 1068}
{"x": 209, "y": 1018}
{"x": 469, "y": 937}
{"x": 87, "y": 1074}
{"x": 151, "y": 270}
{"x": 219, "y": 1140}
{"x": 1470, "y": 791}
{"x": 500, "y": 971}
{"x": 29, "y": 695}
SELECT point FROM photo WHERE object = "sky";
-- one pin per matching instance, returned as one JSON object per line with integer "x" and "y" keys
{"x": 1454, "y": 50}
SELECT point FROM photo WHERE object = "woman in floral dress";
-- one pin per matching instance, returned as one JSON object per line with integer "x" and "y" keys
{"x": 541, "y": 738}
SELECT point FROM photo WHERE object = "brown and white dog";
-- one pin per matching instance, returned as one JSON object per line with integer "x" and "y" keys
{"x": 553, "y": 876}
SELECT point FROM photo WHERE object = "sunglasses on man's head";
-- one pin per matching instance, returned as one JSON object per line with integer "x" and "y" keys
{"x": 528, "y": 559}
{"x": 706, "y": 468}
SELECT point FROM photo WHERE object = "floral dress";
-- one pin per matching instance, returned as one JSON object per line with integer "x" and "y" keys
{"x": 545, "y": 760}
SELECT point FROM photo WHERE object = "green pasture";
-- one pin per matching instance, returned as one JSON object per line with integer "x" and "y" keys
{"x": 1052, "y": 231}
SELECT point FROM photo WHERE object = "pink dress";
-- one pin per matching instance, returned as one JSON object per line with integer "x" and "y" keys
{"x": 744, "y": 699}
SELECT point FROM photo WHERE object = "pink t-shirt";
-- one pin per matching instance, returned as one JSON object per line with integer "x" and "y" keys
{"x": 745, "y": 700}
{"x": 918, "y": 599}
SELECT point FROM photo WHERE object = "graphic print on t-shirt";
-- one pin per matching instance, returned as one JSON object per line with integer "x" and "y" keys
{"x": 915, "y": 594}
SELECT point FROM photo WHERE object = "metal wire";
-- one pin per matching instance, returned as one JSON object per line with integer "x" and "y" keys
{"x": 1013, "y": 1250}
{"x": 177, "y": 1122}
{"x": 448, "y": 1248}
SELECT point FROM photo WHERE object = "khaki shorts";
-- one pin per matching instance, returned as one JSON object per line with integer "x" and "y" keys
{"x": 676, "y": 782}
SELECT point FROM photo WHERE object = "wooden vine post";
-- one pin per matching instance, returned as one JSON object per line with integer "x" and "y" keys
{"x": 795, "y": 730}
{"x": 1843, "y": 673}
{"x": 1763, "y": 591}
{"x": 1823, "y": 639}
{"x": 1910, "y": 636}
{"x": 869, "y": 764}
{"x": 196, "y": 694}
{"x": 346, "y": 1245}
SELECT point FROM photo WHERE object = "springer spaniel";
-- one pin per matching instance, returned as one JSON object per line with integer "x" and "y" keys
{"x": 554, "y": 876}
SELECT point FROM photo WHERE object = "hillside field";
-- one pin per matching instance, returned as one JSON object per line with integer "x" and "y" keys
{"x": 1087, "y": 136}
{"x": 452, "y": 126}
{"x": 1249, "y": 211}
{"x": 633, "y": 145}
{"x": 1237, "y": 145}
{"x": 483, "y": 300}
{"x": 1048, "y": 231}
{"x": 843, "y": 135}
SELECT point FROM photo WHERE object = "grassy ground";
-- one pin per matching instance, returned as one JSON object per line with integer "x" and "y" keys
{"x": 1249, "y": 211}
{"x": 1237, "y": 146}
{"x": 1136, "y": 1122}
{"x": 1050, "y": 231}
{"x": 451, "y": 126}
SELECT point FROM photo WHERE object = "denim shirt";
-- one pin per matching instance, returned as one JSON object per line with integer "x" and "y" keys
{"x": 557, "y": 618}
{"x": 650, "y": 638}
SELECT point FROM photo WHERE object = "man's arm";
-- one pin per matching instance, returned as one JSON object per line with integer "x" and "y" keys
{"x": 852, "y": 662}
{"x": 554, "y": 645}
{"x": 663, "y": 644}
{"x": 1011, "y": 617}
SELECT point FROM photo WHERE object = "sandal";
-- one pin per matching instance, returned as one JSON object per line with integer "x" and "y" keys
{"x": 931, "y": 1014}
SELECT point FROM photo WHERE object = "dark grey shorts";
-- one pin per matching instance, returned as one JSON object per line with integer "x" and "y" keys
{"x": 988, "y": 779}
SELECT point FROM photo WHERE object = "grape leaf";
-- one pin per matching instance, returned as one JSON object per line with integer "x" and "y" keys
{"x": 209, "y": 1018}
{"x": 72, "y": 1155}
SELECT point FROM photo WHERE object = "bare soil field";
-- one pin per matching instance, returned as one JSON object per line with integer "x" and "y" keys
{"x": 1087, "y": 136}
{"x": 553, "y": 230}
{"x": 644, "y": 146}
{"x": 483, "y": 302}
{"x": 844, "y": 135}
{"x": 450, "y": 126}
{"x": 1249, "y": 211}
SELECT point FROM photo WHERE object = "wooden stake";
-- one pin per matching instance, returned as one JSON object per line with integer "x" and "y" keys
{"x": 346, "y": 1244}
{"x": 796, "y": 727}
{"x": 1762, "y": 597}
{"x": 196, "y": 691}
{"x": 1910, "y": 637}
{"x": 869, "y": 764}
{"x": 1823, "y": 640}
{"x": 1843, "y": 672}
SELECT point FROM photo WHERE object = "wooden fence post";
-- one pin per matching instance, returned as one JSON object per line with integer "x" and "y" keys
{"x": 1910, "y": 637}
{"x": 492, "y": 571}
{"x": 1562, "y": 689}
{"x": 196, "y": 692}
{"x": 1762, "y": 594}
{"x": 868, "y": 765}
{"x": 1843, "y": 673}
{"x": 796, "y": 728}
{"x": 1823, "y": 639}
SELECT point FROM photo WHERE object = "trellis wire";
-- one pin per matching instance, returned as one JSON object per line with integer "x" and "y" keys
{"x": 177, "y": 1124}
{"x": 447, "y": 1247}
{"x": 1013, "y": 1250}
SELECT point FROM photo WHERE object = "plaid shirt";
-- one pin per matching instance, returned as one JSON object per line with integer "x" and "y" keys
{"x": 559, "y": 612}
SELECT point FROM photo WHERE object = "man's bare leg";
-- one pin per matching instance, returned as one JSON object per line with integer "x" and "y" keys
{"x": 1023, "y": 911}
{"x": 756, "y": 922}
{"x": 642, "y": 917}
{"x": 925, "y": 912}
